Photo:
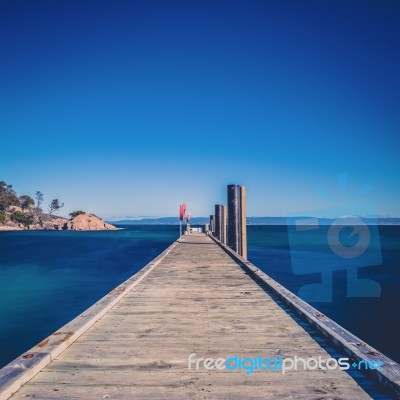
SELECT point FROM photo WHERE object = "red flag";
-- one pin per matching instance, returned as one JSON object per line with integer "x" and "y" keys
{"x": 182, "y": 211}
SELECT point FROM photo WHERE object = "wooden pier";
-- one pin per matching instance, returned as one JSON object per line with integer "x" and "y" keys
{"x": 197, "y": 297}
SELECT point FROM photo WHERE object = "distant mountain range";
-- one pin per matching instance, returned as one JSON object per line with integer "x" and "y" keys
{"x": 250, "y": 221}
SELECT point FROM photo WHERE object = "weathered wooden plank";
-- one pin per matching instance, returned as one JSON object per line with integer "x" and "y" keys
{"x": 189, "y": 391}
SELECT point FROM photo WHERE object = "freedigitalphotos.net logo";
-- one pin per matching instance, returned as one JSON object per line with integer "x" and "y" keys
{"x": 251, "y": 364}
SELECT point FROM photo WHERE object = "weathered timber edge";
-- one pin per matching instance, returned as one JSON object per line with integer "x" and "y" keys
{"x": 354, "y": 347}
{"x": 25, "y": 367}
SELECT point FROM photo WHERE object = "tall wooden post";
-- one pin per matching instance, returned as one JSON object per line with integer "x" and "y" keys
{"x": 237, "y": 232}
{"x": 243, "y": 218}
{"x": 223, "y": 221}
{"x": 218, "y": 222}
{"x": 234, "y": 223}
{"x": 212, "y": 224}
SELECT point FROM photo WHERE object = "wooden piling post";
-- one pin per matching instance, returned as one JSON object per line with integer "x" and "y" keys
{"x": 223, "y": 227}
{"x": 237, "y": 232}
{"x": 218, "y": 222}
{"x": 212, "y": 224}
{"x": 243, "y": 218}
{"x": 234, "y": 223}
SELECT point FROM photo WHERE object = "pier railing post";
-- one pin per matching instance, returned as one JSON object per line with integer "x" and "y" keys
{"x": 218, "y": 222}
{"x": 223, "y": 224}
{"x": 212, "y": 224}
{"x": 243, "y": 218}
{"x": 234, "y": 223}
{"x": 237, "y": 235}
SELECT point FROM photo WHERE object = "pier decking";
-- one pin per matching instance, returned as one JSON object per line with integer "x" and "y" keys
{"x": 195, "y": 300}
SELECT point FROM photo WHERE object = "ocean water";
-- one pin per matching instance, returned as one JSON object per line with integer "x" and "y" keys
{"x": 48, "y": 278}
{"x": 376, "y": 320}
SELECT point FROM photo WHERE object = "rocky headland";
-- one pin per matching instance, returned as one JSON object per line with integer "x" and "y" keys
{"x": 23, "y": 212}
{"x": 81, "y": 222}
{"x": 88, "y": 222}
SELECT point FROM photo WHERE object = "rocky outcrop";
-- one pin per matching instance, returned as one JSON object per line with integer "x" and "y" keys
{"x": 82, "y": 222}
{"x": 47, "y": 223}
{"x": 12, "y": 209}
{"x": 54, "y": 223}
{"x": 88, "y": 222}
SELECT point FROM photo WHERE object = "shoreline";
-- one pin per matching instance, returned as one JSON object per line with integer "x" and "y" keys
{"x": 14, "y": 229}
{"x": 10, "y": 228}
{"x": 82, "y": 222}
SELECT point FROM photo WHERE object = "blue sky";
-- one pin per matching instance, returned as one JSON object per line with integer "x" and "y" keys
{"x": 131, "y": 107}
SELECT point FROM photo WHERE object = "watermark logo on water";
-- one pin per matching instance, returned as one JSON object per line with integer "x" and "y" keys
{"x": 324, "y": 245}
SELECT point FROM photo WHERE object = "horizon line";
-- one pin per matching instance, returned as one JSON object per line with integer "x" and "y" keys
{"x": 253, "y": 216}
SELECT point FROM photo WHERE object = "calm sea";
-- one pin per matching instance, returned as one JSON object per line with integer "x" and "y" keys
{"x": 376, "y": 320}
{"x": 48, "y": 278}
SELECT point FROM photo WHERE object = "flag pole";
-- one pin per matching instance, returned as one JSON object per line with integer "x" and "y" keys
{"x": 182, "y": 211}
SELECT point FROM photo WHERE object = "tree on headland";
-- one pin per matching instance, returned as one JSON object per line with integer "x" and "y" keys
{"x": 7, "y": 196}
{"x": 22, "y": 218}
{"x": 26, "y": 202}
{"x": 55, "y": 206}
{"x": 39, "y": 198}
{"x": 38, "y": 210}
{"x": 26, "y": 210}
{"x": 74, "y": 214}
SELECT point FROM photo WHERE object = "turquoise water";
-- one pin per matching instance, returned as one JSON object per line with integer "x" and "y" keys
{"x": 49, "y": 277}
{"x": 376, "y": 320}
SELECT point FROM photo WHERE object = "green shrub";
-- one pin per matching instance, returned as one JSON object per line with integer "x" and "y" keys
{"x": 22, "y": 218}
{"x": 3, "y": 217}
{"x": 74, "y": 214}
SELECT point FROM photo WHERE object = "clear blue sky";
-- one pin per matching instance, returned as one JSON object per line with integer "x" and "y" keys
{"x": 131, "y": 107}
